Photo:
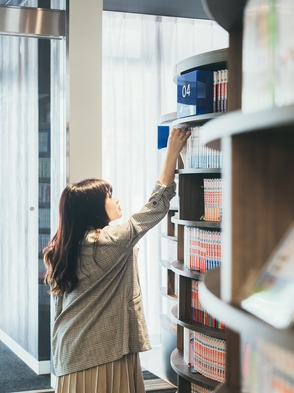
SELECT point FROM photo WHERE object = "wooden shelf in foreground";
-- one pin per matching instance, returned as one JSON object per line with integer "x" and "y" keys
{"x": 236, "y": 123}
{"x": 237, "y": 319}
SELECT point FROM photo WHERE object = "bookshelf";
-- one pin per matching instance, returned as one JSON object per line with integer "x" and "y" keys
{"x": 190, "y": 214}
{"x": 258, "y": 205}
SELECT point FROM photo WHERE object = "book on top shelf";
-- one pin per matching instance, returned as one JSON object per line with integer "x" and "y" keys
{"x": 198, "y": 156}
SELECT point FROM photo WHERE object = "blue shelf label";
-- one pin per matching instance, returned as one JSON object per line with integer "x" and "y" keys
{"x": 194, "y": 93}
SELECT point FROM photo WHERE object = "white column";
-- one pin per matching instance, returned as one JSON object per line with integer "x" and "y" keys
{"x": 85, "y": 89}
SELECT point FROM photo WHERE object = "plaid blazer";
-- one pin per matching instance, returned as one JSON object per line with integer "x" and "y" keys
{"x": 103, "y": 318}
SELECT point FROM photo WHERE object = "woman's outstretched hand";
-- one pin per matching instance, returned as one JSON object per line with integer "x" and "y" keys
{"x": 176, "y": 141}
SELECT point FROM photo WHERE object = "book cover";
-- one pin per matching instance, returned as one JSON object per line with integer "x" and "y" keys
{"x": 271, "y": 294}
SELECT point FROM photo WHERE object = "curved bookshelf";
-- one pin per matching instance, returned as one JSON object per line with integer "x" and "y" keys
{"x": 238, "y": 319}
{"x": 179, "y": 268}
{"x": 207, "y": 61}
{"x": 193, "y": 171}
{"x": 180, "y": 367}
{"x": 163, "y": 291}
{"x": 193, "y": 325}
{"x": 169, "y": 237}
{"x": 190, "y": 121}
{"x": 168, "y": 118}
{"x": 234, "y": 123}
{"x": 165, "y": 263}
{"x": 167, "y": 324}
{"x": 200, "y": 224}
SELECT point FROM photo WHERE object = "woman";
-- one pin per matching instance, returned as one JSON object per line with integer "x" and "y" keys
{"x": 99, "y": 324}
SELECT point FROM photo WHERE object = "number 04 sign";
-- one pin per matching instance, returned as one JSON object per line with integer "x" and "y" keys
{"x": 194, "y": 93}
{"x": 186, "y": 90}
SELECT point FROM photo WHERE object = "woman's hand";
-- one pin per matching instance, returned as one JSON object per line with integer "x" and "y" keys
{"x": 176, "y": 141}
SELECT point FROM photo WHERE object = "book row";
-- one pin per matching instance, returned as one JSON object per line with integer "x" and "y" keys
{"x": 44, "y": 193}
{"x": 200, "y": 389}
{"x": 213, "y": 199}
{"x": 44, "y": 218}
{"x": 44, "y": 167}
{"x": 202, "y": 248}
{"x": 272, "y": 364}
{"x": 198, "y": 313}
{"x": 205, "y": 354}
{"x": 198, "y": 156}
{"x": 220, "y": 91}
{"x": 268, "y": 62}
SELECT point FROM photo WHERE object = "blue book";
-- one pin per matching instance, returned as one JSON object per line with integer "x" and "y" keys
{"x": 194, "y": 93}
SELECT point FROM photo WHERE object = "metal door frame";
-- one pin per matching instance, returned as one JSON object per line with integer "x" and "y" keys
{"x": 33, "y": 22}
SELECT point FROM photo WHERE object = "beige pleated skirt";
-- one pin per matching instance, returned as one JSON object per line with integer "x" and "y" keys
{"x": 121, "y": 376}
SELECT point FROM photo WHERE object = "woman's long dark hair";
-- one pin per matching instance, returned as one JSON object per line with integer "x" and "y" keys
{"x": 81, "y": 208}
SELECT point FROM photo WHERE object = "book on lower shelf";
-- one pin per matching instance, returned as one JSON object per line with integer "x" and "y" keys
{"x": 195, "y": 388}
{"x": 272, "y": 364}
{"x": 213, "y": 199}
{"x": 198, "y": 313}
{"x": 202, "y": 248}
{"x": 205, "y": 355}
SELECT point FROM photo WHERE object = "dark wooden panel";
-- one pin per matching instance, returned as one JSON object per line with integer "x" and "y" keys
{"x": 184, "y": 297}
{"x": 235, "y": 70}
{"x": 233, "y": 360}
{"x": 262, "y": 200}
{"x": 180, "y": 249}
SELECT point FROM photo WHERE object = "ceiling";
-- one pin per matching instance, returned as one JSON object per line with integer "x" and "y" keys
{"x": 180, "y": 8}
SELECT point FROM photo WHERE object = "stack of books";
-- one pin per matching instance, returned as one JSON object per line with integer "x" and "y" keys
{"x": 198, "y": 156}
{"x": 203, "y": 249}
{"x": 198, "y": 313}
{"x": 212, "y": 199}
{"x": 205, "y": 354}
{"x": 210, "y": 356}
{"x": 200, "y": 389}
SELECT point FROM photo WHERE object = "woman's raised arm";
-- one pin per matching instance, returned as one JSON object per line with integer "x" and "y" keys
{"x": 176, "y": 141}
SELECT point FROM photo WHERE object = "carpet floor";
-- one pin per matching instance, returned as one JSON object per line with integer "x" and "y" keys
{"x": 16, "y": 376}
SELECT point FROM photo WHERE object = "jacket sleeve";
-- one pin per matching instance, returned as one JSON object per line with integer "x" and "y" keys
{"x": 129, "y": 233}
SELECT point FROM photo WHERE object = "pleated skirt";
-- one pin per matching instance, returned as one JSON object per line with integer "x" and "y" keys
{"x": 121, "y": 376}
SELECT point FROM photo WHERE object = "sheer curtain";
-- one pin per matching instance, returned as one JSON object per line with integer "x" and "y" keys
{"x": 139, "y": 53}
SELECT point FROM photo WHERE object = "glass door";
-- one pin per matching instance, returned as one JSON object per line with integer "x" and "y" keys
{"x": 32, "y": 158}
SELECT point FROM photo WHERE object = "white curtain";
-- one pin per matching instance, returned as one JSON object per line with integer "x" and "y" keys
{"x": 139, "y": 53}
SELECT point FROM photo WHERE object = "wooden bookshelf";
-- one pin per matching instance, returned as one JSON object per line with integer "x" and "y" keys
{"x": 191, "y": 214}
{"x": 258, "y": 200}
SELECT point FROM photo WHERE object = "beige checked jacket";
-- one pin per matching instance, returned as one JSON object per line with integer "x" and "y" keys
{"x": 103, "y": 318}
